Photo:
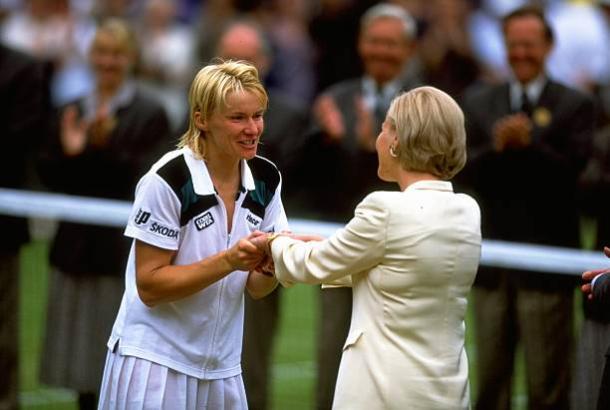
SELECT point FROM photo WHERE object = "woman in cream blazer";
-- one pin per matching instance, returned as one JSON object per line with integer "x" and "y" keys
{"x": 411, "y": 258}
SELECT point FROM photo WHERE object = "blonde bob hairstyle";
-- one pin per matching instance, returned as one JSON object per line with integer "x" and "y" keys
{"x": 209, "y": 91}
{"x": 430, "y": 129}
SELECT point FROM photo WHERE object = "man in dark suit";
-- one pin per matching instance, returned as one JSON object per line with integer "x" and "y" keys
{"x": 597, "y": 290}
{"x": 339, "y": 164}
{"x": 22, "y": 102}
{"x": 285, "y": 121}
{"x": 529, "y": 139}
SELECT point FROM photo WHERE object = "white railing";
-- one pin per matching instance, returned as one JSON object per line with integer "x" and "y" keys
{"x": 108, "y": 212}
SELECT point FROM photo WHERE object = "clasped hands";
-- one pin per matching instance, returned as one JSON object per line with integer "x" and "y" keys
{"x": 253, "y": 253}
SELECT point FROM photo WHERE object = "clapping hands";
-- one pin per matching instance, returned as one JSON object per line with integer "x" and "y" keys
{"x": 76, "y": 133}
{"x": 513, "y": 131}
{"x": 329, "y": 118}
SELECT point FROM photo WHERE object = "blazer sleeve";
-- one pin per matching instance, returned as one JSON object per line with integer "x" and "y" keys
{"x": 356, "y": 248}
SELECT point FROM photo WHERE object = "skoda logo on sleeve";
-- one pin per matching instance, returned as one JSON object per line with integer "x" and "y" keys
{"x": 163, "y": 230}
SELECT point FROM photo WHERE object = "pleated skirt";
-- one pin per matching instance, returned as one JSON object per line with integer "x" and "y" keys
{"x": 131, "y": 383}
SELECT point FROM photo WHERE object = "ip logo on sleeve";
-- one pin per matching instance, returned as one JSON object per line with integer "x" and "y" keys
{"x": 141, "y": 217}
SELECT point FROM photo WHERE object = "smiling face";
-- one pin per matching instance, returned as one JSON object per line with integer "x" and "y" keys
{"x": 384, "y": 49}
{"x": 233, "y": 132}
{"x": 527, "y": 47}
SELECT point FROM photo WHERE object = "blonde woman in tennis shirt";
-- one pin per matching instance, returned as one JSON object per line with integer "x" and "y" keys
{"x": 176, "y": 343}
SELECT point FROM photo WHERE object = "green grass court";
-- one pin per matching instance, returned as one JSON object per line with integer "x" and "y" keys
{"x": 293, "y": 378}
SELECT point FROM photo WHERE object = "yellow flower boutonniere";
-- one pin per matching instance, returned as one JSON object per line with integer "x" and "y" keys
{"x": 542, "y": 117}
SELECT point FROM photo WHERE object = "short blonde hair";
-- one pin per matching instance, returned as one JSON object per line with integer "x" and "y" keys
{"x": 209, "y": 91}
{"x": 121, "y": 31}
{"x": 431, "y": 132}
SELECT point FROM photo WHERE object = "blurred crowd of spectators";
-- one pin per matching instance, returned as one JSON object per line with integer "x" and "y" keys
{"x": 313, "y": 42}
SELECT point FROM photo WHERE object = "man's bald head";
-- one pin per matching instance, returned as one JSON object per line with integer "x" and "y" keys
{"x": 243, "y": 40}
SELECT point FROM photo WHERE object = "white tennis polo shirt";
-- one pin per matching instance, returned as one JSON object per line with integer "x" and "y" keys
{"x": 176, "y": 207}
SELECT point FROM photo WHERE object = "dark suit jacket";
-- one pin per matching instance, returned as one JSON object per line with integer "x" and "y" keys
{"x": 111, "y": 172}
{"x": 23, "y": 96}
{"x": 529, "y": 194}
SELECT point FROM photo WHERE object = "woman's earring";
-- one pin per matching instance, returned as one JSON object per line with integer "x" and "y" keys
{"x": 393, "y": 153}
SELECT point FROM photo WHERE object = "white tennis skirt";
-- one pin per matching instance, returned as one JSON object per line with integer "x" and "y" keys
{"x": 131, "y": 383}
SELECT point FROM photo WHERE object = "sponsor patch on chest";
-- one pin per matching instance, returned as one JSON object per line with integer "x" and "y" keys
{"x": 203, "y": 221}
{"x": 253, "y": 220}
